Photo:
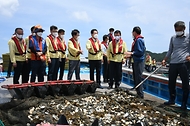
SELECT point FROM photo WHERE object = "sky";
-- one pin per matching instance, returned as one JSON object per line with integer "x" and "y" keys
{"x": 155, "y": 17}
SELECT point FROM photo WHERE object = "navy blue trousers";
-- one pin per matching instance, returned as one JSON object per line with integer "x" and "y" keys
{"x": 105, "y": 69}
{"x": 53, "y": 68}
{"x": 115, "y": 73}
{"x": 38, "y": 68}
{"x": 61, "y": 68}
{"x": 18, "y": 70}
{"x": 95, "y": 65}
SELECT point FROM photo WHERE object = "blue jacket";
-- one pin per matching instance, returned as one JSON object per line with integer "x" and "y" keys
{"x": 34, "y": 46}
{"x": 139, "y": 50}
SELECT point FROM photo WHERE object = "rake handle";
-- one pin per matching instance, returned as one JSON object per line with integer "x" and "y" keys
{"x": 147, "y": 77}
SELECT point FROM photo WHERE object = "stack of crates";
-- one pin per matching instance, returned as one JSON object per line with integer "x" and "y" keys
{"x": 6, "y": 58}
{"x": 66, "y": 65}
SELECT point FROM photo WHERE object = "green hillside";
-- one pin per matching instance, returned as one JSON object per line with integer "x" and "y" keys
{"x": 158, "y": 56}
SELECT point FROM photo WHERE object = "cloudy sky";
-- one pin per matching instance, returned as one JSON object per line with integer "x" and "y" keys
{"x": 155, "y": 17}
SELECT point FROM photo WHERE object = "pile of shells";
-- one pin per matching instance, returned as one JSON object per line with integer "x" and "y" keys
{"x": 115, "y": 108}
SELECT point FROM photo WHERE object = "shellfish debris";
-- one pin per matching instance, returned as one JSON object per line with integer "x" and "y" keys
{"x": 114, "y": 108}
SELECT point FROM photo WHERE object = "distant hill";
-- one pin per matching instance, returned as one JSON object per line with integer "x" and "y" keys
{"x": 158, "y": 56}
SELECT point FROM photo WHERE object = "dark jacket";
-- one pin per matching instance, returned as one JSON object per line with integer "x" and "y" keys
{"x": 139, "y": 50}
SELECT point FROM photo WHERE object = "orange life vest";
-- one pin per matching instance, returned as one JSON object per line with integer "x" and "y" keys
{"x": 60, "y": 46}
{"x": 119, "y": 48}
{"x": 94, "y": 46}
{"x": 30, "y": 36}
{"x": 133, "y": 44}
{"x": 52, "y": 42}
{"x": 75, "y": 45}
{"x": 21, "y": 52}
{"x": 111, "y": 36}
{"x": 35, "y": 56}
{"x": 105, "y": 44}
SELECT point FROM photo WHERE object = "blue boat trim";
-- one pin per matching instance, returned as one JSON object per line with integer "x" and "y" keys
{"x": 155, "y": 85}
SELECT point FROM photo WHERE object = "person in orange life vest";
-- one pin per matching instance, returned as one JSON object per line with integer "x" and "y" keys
{"x": 52, "y": 54}
{"x": 138, "y": 54}
{"x": 17, "y": 49}
{"x": 38, "y": 48}
{"x": 148, "y": 62}
{"x": 104, "y": 47}
{"x": 110, "y": 35}
{"x": 74, "y": 50}
{"x": 28, "y": 52}
{"x": 153, "y": 64}
{"x": 116, "y": 57}
{"x": 10, "y": 63}
{"x": 93, "y": 46}
{"x": 62, "y": 52}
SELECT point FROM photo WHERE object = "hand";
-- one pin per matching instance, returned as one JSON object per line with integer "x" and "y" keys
{"x": 163, "y": 62}
{"x": 89, "y": 49}
{"x": 49, "y": 60}
{"x": 123, "y": 62}
{"x": 39, "y": 53}
{"x": 79, "y": 52}
{"x": 108, "y": 62}
{"x": 26, "y": 60}
{"x": 14, "y": 65}
{"x": 66, "y": 59}
{"x": 188, "y": 58}
{"x": 42, "y": 58}
{"x": 128, "y": 54}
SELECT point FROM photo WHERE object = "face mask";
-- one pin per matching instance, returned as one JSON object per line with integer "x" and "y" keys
{"x": 55, "y": 34}
{"x": 62, "y": 36}
{"x": 179, "y": 33}
{"x": 39, "y": 33}
{"x": 78, "y": 37}
{"x": 33, "y": 34}
{"x": 19, "y": 36}
{"x": 96, "y": 36}
{"x": 117, "y": 37}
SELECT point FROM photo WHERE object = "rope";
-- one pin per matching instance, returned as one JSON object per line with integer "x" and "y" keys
{"x": 1, "y": 123}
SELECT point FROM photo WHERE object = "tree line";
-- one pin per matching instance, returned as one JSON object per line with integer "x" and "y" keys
{"x": 158, "y": 56}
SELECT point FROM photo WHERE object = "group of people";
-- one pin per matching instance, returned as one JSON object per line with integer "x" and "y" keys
{"x": 150, "y": 63}
{"x": 32, "y": 53}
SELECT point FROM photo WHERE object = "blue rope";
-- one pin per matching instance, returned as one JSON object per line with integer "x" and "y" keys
{"x": 1, "y": 123}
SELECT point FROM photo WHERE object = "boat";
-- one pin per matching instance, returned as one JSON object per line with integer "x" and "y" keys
{"x": 156, "y": 85}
